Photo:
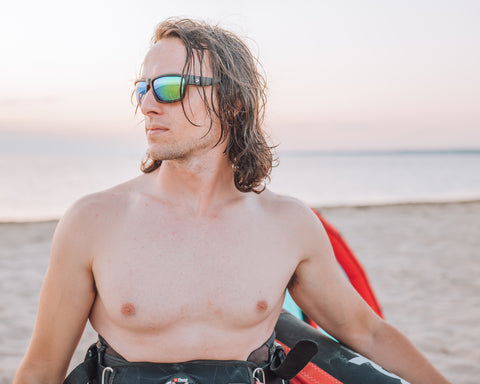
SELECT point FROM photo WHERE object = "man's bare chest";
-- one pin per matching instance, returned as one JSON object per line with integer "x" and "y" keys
{"x": 179, "y": 271}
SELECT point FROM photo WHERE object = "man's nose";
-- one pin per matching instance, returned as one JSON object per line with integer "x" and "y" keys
{"x": 149, "y": 104}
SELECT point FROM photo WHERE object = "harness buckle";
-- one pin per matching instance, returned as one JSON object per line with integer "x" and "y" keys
{"x": 106, "y": 369}
{"x": 259, "y": 376}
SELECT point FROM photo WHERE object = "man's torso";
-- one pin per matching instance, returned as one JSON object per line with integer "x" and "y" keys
{"x": 175, "y": 287}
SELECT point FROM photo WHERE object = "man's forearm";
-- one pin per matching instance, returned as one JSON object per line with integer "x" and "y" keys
{"x": 36, "y": 374}
{"x": 394, "y": 352}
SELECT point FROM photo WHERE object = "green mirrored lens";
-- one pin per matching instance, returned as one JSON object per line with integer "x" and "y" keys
{"x": 168, "y": 88}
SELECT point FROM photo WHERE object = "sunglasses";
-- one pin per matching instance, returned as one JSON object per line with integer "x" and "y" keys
{"x": 169, "y": 88}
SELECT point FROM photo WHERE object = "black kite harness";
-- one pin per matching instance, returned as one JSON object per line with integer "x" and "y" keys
{"x": 266, "y": 365}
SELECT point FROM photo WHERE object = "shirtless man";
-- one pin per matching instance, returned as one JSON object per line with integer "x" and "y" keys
{"x": 189, "y": 261}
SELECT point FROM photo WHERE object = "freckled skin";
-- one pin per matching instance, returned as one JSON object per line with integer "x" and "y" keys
{"x": 128, "y": 309}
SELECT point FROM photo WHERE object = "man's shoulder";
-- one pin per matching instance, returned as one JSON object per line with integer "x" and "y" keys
{"x": 289, "y": 210}
{"x": 91, "y": 219}
{"x": 298, "y": 226}
{"x": 101, "y": 205}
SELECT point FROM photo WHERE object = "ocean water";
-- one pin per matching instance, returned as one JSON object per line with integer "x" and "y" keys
{"x": 373, "y": 178}
{"x": 41, "y": 185}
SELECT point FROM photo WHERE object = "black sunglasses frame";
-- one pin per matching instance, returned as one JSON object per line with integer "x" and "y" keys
{"x": 186, "y": 80}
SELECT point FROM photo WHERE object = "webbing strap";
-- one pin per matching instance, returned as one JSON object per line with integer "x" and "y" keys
{"x": 298, "y": 357}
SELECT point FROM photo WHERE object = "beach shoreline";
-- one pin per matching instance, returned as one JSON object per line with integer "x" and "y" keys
{"x": 423, "y": 261}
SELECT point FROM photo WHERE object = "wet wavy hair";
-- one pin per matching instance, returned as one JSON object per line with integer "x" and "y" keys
{"x": 240, "y": 96}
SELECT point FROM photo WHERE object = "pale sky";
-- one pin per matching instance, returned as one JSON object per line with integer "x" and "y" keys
{"x": 358, "y": 74}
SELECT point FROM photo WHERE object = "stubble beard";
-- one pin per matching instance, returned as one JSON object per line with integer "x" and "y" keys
{"x": 176, "y": 150}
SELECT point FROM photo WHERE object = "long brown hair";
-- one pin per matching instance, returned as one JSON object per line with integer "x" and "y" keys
{"x": 240, "y": 96}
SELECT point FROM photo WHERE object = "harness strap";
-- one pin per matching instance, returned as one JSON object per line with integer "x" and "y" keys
{"x": 288, "y": 366}
{"x": 85, "y": 372}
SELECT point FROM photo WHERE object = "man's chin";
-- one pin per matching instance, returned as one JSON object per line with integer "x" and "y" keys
{"x": 163, "y": 155}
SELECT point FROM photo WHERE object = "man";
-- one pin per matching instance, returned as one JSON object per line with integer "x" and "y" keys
{"x": 191, "y": 260}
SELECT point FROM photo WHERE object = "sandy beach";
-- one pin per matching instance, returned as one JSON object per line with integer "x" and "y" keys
{"x": 423, "y": 261}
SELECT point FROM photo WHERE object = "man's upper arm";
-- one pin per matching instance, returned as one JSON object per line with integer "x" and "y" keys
{"x": 323, "y": 292}
{"x": 66, "y": 298}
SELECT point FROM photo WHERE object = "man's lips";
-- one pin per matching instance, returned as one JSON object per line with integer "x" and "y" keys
{"x": 156, "y": 129}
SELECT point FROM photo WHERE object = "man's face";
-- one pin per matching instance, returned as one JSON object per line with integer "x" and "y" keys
{"x": 169, "y": 133}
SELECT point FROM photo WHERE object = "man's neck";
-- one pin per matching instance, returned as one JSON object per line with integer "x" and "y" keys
{"x": 200, "y": 185}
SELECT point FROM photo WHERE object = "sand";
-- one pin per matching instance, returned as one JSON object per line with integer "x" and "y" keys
{"x": 423, "y": 262}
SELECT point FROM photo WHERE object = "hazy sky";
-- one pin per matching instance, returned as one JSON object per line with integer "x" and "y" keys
{"x": 356, "y": 74}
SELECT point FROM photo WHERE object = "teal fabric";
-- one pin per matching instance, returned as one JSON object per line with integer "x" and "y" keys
{"x": 291, "y": 307}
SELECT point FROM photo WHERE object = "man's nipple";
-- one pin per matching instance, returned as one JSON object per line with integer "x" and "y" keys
{"x": 128, "y": 309}
{"x": 262, "y": 306}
